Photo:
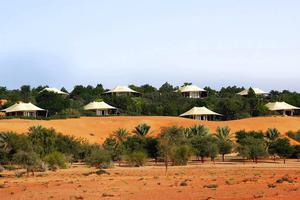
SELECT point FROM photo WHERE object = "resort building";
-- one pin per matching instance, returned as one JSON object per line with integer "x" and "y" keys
{"x": 200, "y": 113}
{"x": 192, "y": 91}
{"x": 122, "y": 91}
{"x": 257, "y": 91}
{"x": 55, "y": 90}
{"x": 101, "y": 108}
{"x": 282, "y": 107}
{"x": 25, "y": 109}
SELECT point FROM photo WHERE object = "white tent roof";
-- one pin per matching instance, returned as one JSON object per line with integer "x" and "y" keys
{"x": 55, "y": 90}
{"x": 257, "y": 91}
{"x": 120, "y": 89}
{"x": 20, "y": 107}
{"x": 191, "y": 88}
{"x": 276, "y": 106}
{"x": 98, "y": 106}
{"x": 198, "y": 111}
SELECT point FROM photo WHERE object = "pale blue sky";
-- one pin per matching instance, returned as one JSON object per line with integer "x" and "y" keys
{"x": 212, "y": 42}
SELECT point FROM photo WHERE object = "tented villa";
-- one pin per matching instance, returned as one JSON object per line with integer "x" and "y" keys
{"x": 201, "y": 113}
{"x": 192, "y": 91}
{"x": 25, "y": 109}
{"x": 257, "y": 91}
{"x": 122, "y": 90}
{"x": 55, "y": 90}
{"x": 282, "y": 107}
{"x": 101, "y": 108}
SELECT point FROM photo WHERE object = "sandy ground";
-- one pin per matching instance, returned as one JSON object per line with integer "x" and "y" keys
{"x": 96, "y": 129}
{"x": 228, "y": 181}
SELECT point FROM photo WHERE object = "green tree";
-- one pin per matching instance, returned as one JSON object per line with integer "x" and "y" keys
{"x": 142, "y": 129}
{"x": 166, "y": 87}
{"x": 252, "y": 148}
{"x": 170, "y": 138}
{"x": 152, "y": 147}
{"x": 202, "y": 146}
{"x": 180, "y": 155}
{"x": 197, "y": 130}
{"x": 120, "y": 134}
{"x": 224, "y": 141}
{"x": 52, "y": 102}
{"x": 282, "y": 148}
{"x": 115, "y": 148}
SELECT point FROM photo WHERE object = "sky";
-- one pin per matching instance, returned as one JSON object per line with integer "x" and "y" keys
{"x": 212, "y": 43}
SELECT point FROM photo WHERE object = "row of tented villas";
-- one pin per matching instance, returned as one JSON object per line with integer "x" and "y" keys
{"x": 104, "y": 109}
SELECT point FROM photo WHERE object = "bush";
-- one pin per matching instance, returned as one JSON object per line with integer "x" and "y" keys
{"x": 180, "y": 155}
{"x": 43, "y": 139}
{"x": 294, "y": 135}
{"x": 56, "y": 160}
{"x": 136, "y": 158}
{"x": 99, "y": 158}
{"x": 68, "y": 113}
{"x": 28, "y": 160}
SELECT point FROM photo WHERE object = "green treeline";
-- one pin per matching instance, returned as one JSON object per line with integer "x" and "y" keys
{"x": 161, "y": 101}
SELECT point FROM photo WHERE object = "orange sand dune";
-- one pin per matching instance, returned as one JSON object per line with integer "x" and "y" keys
{"x": 96, "y": 129}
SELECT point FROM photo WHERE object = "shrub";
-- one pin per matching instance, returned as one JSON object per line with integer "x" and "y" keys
{"x": 28, "y": 160}
{"x": 136, "y": 158}
{"x": 43, "y": 139}
{"x": 99, "y": 158}
{"x": 180, "y": 155}
{"x": 68, "y": 113}
{"x": 56, "y": 160}
{"x": 294, "y": 135}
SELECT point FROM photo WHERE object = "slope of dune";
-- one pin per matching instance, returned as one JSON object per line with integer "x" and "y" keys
{"x": 96, "y": 129}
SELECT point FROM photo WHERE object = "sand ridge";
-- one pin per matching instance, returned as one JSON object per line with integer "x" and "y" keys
{"x": 96, "y": 129}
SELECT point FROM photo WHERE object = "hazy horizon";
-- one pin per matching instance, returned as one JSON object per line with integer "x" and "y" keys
{"x": 209, "y": 43}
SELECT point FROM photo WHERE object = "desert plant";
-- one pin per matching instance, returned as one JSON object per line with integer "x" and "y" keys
{"x": 56, "y": 160}
{"x": 202, "y": 146}
{"x": 252, "y": 147}
{"x": 282, "y": 148}
{"x": 120, "y": 134}
{"x": 28, "y": 160}
{"x": 136, "y": 158}
{"x": 197, "y": 130}
{"x": 115, "y": 148}
{"x": 99, "y": 158}
{"x": 181, "y": 154}
{"x": 224, "y": 141}
{"x": 43, "y": 139}
{"x": 141, "y": 129}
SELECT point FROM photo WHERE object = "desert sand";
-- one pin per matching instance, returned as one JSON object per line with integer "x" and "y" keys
{"x": 196, "y": 181}
{"x": 96, "y": 129}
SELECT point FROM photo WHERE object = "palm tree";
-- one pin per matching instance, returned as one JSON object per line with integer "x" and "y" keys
{"x": 272, "y": 134}
{"x": 197, "y": 130}
{"x": 5, "y": 141}
{"x": 142, "y": 129}
{"x": 120, "y": 134}
{"x": 224, "y": 138}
